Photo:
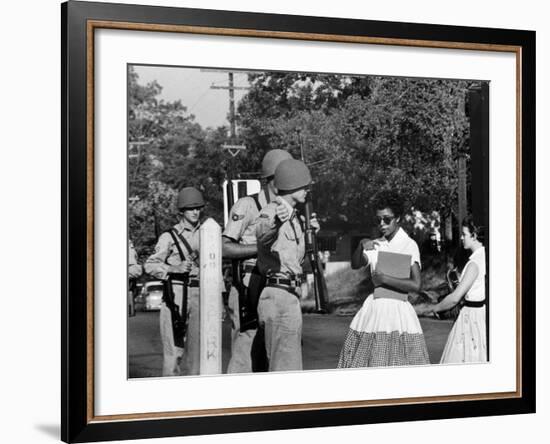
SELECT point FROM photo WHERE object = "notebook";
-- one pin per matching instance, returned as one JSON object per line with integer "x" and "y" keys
{"x": 396, "y": 265}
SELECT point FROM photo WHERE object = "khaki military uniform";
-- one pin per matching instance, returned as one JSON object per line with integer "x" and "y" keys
{"x": 241, "y": 228}
{"x": 176, "y": 360}
{"x": 281, "y": 250}
{"x": 134, "y": 269}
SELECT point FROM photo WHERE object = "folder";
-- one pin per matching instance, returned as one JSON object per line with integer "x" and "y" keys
{"x": 396, "y": 265}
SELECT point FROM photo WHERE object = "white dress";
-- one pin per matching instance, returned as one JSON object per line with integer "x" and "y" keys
{"x": 386, "y": 332}
{"x": 467, "y": 341}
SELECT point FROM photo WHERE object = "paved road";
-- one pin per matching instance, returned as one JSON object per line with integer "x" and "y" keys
{"x": 323, "y": 336}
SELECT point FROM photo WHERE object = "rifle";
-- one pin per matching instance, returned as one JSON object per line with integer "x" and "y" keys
{"x": 179, "y": 314}
{"x": 319, "y": 284}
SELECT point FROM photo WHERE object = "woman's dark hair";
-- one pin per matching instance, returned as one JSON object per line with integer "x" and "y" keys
{"x": 478, "y": 230}
{"x": 389, "y": 199}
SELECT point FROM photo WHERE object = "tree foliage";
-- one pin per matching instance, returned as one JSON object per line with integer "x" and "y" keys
{"x": 362, "y": 135}
{"x": 168, "y": 151}
{"x": 359, "y": 134}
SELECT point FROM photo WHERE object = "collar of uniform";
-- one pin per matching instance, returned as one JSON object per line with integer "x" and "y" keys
{"x": 186, "y": 226}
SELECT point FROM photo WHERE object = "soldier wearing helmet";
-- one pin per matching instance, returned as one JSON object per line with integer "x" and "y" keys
{"x": 281, "y": 250}
{"x": 239, "y": 244}
{"x": 176, "y": 254}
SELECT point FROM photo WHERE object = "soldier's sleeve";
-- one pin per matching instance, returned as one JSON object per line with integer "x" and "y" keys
{"x": 156, "y": 263}
{"x": 267, "y": 227}
{"x": 238, "y": 220}
{"x": 134, "y": 269}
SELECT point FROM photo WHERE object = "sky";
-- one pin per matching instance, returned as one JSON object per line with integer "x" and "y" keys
{"x": 192, "y": 87}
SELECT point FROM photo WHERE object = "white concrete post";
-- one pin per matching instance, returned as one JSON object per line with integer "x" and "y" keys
{"x": 211, "y": 284}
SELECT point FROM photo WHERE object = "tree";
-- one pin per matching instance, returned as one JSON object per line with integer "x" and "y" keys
{"x": 362, "y": 135}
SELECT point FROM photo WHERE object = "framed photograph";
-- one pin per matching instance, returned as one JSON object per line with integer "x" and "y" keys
{"x": 275, "y": 221}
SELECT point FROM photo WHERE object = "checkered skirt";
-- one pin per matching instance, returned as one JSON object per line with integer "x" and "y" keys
{"x": 385, "y": 332}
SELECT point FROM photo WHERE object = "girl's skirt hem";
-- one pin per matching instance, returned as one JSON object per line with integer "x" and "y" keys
{"x": 382, "y": 349}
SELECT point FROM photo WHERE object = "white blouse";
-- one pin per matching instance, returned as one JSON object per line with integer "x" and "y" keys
{"x": 477, "y": 290}
{"x": 400, "y": 243}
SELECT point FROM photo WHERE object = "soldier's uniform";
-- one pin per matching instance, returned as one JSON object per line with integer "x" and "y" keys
{"x": 178, "y": 361}
{"x": 134, "y": 269}
{"x": 241, "y": 228}
{"x": 281, "y": 250}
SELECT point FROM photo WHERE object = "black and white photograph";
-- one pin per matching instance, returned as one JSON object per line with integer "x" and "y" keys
{"x": 351, "y": 213}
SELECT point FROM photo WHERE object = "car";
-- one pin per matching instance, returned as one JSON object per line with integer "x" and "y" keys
{"x": 151, "y": 296}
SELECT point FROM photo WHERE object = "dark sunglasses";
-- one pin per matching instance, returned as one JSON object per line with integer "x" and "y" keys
{"x": 386, "y": 219}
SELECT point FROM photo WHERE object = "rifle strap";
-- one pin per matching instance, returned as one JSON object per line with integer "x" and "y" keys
{"x": 174, "y": 233}
{"x": 256, "y": 198}
{"x": 182, "y": 257}
{"x": 266, "y": 193}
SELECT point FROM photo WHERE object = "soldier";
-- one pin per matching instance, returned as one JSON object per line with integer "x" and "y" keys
{"x": 281, "y": 250}
{"x": 135, "y": 270}
{"x": 175, "y": 261}
{"x": 239, "y": 243}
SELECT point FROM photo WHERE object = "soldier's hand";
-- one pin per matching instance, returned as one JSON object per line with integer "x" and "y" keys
{"x": 282, "y": 210}
{"x": 184, "y": 267}
{"x": 314, "y": 222}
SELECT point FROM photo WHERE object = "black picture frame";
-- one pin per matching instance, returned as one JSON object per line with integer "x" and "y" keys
{"x": 78, "y": 423}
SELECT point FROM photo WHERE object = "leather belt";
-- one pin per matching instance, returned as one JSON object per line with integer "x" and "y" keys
{"x": 283, "y": 282}
{"x": 474, "y": 304}
{"x": 191, "y": 283}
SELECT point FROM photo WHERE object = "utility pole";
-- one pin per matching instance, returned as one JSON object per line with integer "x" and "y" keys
{"x": 233, "y": 148}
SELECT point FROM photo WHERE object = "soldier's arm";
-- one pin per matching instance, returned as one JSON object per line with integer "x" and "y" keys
{"x": 267, "y": 228}
{"x": 234, "y": 250}
{"x": 239, "y": 220}
{"x": 156, "y": 264}
{"x": 134, "y": 269}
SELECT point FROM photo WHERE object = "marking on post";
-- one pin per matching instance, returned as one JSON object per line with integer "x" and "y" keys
{"x": 210, "y": 298}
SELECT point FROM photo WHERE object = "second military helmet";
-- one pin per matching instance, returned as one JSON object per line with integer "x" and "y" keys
{"x": 291, "y": 174}
{"x": 190, "y": 197}
{"x": 271, "y": 160}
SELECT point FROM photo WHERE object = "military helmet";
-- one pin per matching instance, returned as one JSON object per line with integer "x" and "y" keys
{"x": 292, "y": 174}
{"x": 271, "y": 160}
{"x": 190, "y": 197}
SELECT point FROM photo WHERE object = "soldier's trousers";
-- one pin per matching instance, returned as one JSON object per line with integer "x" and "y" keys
{"x": 179, "y": 361}
{"x": 241, "y": 342}
{"x": 280, "y": 315}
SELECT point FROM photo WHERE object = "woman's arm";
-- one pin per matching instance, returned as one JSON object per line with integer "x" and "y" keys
{"x": 358, "y": 259}
{"x": 407, "y": 285}
{"x": 453, "y": 298}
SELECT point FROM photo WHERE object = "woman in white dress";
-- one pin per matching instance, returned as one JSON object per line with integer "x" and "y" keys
{"x": 386, "y": 331}
{"x": 467, "y": 341}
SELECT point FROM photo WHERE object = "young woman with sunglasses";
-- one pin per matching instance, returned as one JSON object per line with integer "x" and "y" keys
{"x": 386, "y": 331}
